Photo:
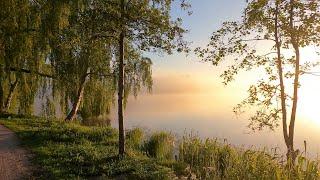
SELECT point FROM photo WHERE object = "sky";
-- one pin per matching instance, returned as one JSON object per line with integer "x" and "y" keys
{"x": 182, "y": 73}
{"x": 208, "y": 15}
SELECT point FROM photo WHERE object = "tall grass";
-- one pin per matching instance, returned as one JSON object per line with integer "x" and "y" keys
{"x": 211, "y": 159}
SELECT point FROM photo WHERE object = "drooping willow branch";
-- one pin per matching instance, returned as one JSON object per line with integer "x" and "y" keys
{"x": 31, "y": 72}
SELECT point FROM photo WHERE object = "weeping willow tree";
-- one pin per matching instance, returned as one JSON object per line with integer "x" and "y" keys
{"x": 19, "y": 55}
{"x": 83, "y": 60}
{"x": 66, "y": 52}
{"x": 83, "y": 68}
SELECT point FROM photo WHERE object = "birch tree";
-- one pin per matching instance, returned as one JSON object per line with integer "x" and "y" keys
{"x": 285, "y": 25}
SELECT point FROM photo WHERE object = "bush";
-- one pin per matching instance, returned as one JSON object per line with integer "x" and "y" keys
{"x": 160, "y": 146}
{"x": 97, "y": 121}
{"x": 135, "y": 138}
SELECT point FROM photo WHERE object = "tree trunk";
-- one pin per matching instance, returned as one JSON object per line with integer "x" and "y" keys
{"x": 291, "y": 151}
{"x": 75, "y": 107}
{"x": 120, "y": 95}
{"x": 1, "y": 90}
{"x": 1, "y": 98}
{"x": 10, "y": 95}
{"x": 121, "y": 83}
{"x": 294, "y": 41}
{"x": 281, "y": 80}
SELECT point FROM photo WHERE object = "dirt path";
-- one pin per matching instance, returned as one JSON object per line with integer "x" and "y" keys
{"x": 14, "y": 162}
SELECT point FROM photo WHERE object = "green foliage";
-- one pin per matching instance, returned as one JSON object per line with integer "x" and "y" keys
{"x": 135, "y": 138}
{"x": 72, "y": 151}
{"x": 19, "y": 50}
{"x": 160, "y": 145}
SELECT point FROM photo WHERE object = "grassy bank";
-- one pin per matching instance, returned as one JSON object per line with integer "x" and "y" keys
{"x": 72, "y": 151}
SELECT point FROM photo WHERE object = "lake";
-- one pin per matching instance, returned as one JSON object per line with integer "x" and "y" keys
{"x": 180, "y": 103}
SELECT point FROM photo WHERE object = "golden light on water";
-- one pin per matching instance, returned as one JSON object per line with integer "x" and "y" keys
{"x": 310, "y": 100}
{"x": 309, "y": 93}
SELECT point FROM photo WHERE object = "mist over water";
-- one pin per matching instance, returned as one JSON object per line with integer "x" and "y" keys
{"x": 188, "y": 105}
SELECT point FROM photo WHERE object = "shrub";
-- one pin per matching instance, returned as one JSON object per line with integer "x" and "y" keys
{"x": 160, "y": 146}
{"x": 97, "y": 121}
{"x": 135, "y": 138}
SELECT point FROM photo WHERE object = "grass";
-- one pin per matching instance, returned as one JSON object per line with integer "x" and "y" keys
{"x": 73, "y": 151}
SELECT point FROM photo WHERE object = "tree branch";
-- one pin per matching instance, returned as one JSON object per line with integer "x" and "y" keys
{"x": 31, "y": 72}
{"x": 258, "y": 39}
